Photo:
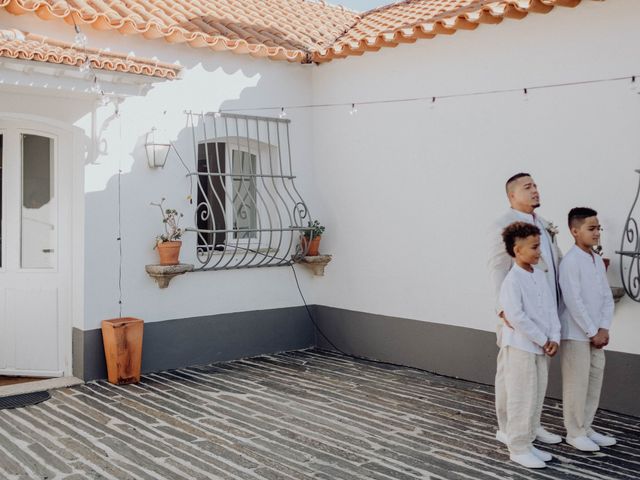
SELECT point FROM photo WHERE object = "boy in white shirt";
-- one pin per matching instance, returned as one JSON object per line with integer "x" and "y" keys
{"x": 585, "y": 330}
{"x": 531, "y": 309}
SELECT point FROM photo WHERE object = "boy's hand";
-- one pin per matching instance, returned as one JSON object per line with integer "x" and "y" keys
{"x": 600, "y": 339}
{"x": 550, "y": 348}
{"x": 504, "y": 319}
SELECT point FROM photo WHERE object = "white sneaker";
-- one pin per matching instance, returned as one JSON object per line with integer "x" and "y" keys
{"x": 501, "y": 436}
{"x": 583, "y": 443}
{"x": 599, "y": 439}
{"x": 545, "y": 436}
{"x": 544, "y": 456}
{"x": 528, "y": 460}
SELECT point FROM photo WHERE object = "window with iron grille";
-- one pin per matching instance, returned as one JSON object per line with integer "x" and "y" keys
{"x": 249, "y": 212}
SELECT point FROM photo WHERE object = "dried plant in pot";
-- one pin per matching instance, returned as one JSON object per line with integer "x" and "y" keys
{"x": 168, "y": 244}
{"x": 310, "y": 240}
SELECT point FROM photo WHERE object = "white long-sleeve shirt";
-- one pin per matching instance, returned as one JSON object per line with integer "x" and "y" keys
{"x": 500, "y": 262}
{"x": 586, "y": 293}
{"x": 531, "y": 309}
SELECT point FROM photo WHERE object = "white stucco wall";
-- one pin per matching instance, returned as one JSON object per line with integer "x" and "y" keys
{"x": 210, "y": 81}
{"x": 408, "y": 191}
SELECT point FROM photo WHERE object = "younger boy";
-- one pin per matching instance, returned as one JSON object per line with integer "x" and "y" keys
{"x": 531, "y": 309}
{"x": 585, "y": 330}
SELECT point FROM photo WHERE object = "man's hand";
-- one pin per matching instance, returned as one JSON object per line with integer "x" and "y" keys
{"x": 600, "y": 339}
{"x": 550, "y": 348}
{"x": 504, "y": 319}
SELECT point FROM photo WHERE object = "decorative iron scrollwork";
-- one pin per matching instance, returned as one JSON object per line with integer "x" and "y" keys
{"x": 630, "y": 251}
{"x": 249, "y": 212}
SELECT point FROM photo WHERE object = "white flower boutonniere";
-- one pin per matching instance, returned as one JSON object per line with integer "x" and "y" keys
{"x": 553, "y": 231}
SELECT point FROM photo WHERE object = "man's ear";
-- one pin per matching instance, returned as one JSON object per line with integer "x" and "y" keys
{"x": 516, "y": 248}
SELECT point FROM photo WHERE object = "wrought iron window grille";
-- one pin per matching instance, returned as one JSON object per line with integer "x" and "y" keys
{"x": 249, "y": 213}
{"x": 630, "y": 251}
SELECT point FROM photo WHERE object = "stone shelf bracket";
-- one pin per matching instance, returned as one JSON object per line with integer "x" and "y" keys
{"x": 315, "y": 263}
{"x": 163, "y": 274}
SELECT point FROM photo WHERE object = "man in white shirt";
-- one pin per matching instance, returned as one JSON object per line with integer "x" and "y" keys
{"x": 524, "y": 199}
{"x": 585, "y": 330}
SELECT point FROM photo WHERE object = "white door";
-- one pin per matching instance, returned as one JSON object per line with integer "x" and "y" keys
{"x": 34, "y": 248}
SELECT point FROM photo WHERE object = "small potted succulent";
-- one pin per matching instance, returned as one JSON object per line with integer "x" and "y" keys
{"x": 310, "y": 240}
{"x": 169, "y": 243}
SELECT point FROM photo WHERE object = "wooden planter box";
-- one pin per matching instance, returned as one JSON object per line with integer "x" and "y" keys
{"x": 122, "y": 339}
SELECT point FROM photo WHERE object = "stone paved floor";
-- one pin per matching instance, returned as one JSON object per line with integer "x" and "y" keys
{"x": 292, "y": 416}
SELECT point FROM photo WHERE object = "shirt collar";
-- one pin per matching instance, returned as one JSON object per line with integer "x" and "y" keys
{"x": 529, "y": 217}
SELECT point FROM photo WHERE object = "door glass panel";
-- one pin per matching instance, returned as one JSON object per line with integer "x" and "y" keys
{"x": 38, "y": 219}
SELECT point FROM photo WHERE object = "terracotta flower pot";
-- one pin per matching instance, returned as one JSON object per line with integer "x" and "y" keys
{"x": 169, "y": 252}
{"x": 311, "y": 247}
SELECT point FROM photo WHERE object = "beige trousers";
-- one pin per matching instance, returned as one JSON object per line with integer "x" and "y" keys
{"x": 501, "y": 394}
{"x": 582, "y": 373}
{"x": 525, "y": 379}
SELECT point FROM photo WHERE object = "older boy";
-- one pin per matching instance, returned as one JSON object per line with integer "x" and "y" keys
{"x": 585, "y": 330}
{"x": 526, "y": 347}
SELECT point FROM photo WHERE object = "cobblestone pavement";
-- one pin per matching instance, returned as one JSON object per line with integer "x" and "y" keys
{"x": 293, "y": 416}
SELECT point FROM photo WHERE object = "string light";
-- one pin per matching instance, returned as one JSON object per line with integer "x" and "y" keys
{"x": 432, "y": 104}
{"x": 634, "y": 84}
{"x": 85, "y": 66}
{"x": 80, "y": 38}
{"x": 282, "y": 113}
{"x": 525, "y": 95}
{"x": 353, "y": 110}
{"x": 525, "y": 92}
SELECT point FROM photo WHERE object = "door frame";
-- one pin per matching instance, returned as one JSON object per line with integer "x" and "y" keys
{"x": 70, "y": 181}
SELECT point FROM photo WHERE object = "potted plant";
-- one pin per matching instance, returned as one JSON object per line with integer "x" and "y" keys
{"x": 169, "y": 243}
{"x": 310, "y": 239}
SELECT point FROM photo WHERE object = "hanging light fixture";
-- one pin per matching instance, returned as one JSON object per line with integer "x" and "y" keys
{"x": 157, "y": 153}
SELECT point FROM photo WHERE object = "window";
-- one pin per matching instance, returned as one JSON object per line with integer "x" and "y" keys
{"x": 248, "y": 212}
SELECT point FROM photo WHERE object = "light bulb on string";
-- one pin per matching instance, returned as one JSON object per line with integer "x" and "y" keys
{"x": 432, "y": 104}
{"x": 104, "y": 100}
{"x": 80, "y": 39}
{"x": 85, "y": 66}
{"x": 96, "y": 88}
{"x": 634, "y": 84}
{"x": 525, "y": 95}
{"x": 353, "y": 110}
{"x": 282, "y": 113}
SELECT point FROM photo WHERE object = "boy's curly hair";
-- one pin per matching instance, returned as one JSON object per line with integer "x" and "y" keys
{"x": 515, "y": 231}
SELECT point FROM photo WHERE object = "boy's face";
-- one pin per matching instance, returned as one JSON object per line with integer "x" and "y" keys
{"x": 588, "y": 233}
{"x": 527, "y": 250}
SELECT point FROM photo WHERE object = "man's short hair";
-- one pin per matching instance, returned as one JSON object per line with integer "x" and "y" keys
{"x": 517, "y": 231}
{"x": 513, "y": 178}
{"x": 578, "y": 215}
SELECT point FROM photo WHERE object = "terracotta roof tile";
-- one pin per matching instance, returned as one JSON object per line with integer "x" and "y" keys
{"x": 280, "y": 29}
{"x": 293, "y": 30}
{"x": 29, "y": 46}
{"x": 407, "y": 21}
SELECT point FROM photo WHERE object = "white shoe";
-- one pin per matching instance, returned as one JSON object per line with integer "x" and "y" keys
{"x": 545, "y": 436}
{"x": 528, "y": 460}
{"x": 599, "y": 439}
{"x": 544, "y": 456}
{"x": 584, "y": 444}
{"x": 501, "y": 436}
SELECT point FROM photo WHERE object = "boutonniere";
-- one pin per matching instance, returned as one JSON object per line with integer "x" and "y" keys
{"x": 553, "y": 231}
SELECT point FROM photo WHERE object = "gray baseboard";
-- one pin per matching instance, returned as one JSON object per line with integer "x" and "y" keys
{"x": 201, "y": 340}
{"x": 457, "y": 352}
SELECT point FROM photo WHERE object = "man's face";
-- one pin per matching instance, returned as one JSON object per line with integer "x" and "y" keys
{"x": 528, "y": 249}
{"x": 588, "y": 233}
{"x": 524, "y": 195}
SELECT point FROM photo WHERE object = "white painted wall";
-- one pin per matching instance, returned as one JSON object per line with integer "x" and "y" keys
{"x": 408, "y": 191}
{"x": 211, "y": 81}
